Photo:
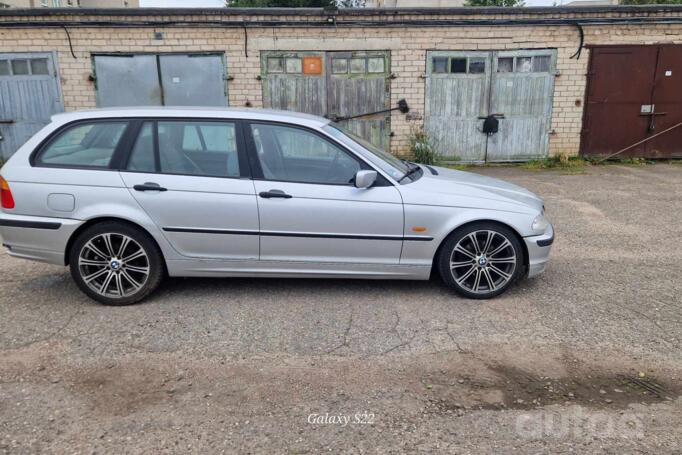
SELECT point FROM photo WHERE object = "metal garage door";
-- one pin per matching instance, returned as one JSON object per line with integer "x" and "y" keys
{"x": 160, "y": 80}
{"x": 633, "y": 94}
{"x": 334, "y": 85}
{"x": 29, "y": 95}
{"x": 463, "y": 88}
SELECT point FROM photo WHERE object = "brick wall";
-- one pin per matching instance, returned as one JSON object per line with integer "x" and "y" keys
{"x": 408, "y": 47}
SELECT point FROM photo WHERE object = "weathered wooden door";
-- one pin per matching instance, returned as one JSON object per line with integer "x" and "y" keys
{"x": 358, "y": 83}
{"x": 521, "y": 89}
{"x": 457, "y": 95}
{"x": 463, "y": 88}
{"x": 29, "y": 96}
{"x": 289, "y": 85}
{"x": 332, "y": 85}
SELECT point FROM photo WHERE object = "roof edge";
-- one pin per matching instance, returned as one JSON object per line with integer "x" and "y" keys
{"x": 452, "y": 11}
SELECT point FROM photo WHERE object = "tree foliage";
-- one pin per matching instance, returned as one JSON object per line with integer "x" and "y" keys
{"x": 294, "y": 3}
{"x": 494, "y": 3}
{"x": 651, "y": 2}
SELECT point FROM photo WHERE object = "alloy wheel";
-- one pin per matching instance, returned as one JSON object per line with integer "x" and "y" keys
{"x": 113, "y": 265}
{"x": 483, "y": 261}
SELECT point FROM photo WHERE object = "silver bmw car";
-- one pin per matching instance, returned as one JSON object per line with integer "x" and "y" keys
{"x": 125, "y": 197}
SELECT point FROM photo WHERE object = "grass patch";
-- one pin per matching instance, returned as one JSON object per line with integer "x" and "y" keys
{"x": 457, "y": 166}
{"x": 561, "y": 162}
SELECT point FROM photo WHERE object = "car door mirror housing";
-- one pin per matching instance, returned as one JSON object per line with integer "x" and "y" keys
{"x": 365, "y": 179}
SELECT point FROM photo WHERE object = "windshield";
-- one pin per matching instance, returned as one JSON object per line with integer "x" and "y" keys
{"x": 388, "y": 163}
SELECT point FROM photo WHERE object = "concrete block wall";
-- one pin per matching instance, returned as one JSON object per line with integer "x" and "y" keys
{"x": 408, "y": 47}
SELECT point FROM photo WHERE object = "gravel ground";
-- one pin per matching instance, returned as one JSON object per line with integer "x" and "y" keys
{"x": 585, "y": 358}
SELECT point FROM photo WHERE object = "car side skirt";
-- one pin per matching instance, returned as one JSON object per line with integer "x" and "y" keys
{"x": 287, "y": 269}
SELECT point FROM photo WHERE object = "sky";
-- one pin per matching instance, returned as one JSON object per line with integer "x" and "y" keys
{"x": 220, "y": 3}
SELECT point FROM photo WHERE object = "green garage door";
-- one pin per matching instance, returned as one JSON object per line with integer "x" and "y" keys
{"x": 463, "y": 88}
{"x": 334, "y": 85}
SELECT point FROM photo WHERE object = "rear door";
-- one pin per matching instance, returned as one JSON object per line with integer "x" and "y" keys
{"x": 191, "y": 177}
{"x": 29, "y": 96}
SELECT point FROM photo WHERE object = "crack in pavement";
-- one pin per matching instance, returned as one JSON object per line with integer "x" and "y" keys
{"x": 50, "y": 336}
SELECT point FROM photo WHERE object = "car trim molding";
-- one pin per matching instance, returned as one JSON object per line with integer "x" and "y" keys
{"x": 414, "y": 238}
{"x": 31, "y": 224}
{"x": 546, "y": 242}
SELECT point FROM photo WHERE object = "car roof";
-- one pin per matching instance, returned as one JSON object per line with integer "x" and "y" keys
{"x": 189, "y": 112}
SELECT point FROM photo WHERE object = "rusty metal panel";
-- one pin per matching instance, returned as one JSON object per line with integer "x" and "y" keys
{"x": 358, "y": 83}
{"x": 667, "y": 104}
{"x": 127, "y": 80}
{"x": 620, "y": 81}
{"x": 522, "y": 86}
{"x": 193, "y": 80}
{"x": 29, "y": 96}
{"x": 285, "y": 86}
{"x": 454, "y": 103}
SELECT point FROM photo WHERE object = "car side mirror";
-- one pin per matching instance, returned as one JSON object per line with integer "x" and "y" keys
{"x": 365, "y": 179}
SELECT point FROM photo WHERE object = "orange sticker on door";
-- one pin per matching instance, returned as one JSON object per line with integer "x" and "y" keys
{"x": 312, "y": 65}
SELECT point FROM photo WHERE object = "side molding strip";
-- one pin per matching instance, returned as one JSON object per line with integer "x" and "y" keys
{"x": 31, "y": 224}
{"x": 413, "y": 238}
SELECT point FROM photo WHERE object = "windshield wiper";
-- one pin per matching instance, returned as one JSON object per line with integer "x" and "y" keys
{"x": 411, "y": 171}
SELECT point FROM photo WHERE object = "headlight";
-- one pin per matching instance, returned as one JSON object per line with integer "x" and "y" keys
{"x": 540, "y": 224}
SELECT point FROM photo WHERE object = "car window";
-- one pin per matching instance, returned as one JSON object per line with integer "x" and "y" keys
{"x": 142, "y": 155}
{"x": 297, "y": 155}
{"x": 191, "y": 148}
{"x": 85, "y": 144}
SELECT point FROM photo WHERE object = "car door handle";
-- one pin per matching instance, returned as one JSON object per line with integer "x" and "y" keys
{"x": 274, "y": 194}
{"x": 149, "y": 186}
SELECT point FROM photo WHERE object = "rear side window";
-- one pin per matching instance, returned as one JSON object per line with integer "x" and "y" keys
{"x": 84, "y": 145}
{"x": 189, "y": 148}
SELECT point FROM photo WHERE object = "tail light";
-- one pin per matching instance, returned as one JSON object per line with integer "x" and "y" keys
{"x": 6, "y": 199}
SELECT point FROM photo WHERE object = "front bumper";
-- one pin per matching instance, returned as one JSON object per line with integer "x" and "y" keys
{"x": 35, "y": 237}
{"x": 538, "y": 247}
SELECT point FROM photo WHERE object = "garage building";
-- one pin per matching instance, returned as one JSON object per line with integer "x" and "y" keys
{"x": 567, "y": 80}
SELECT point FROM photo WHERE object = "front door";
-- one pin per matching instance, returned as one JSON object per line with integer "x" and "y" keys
{"x": 310, "y": 210}
{"x": 192, "y": 179}
{"x": 29, "y": 96}
{"x": 465, "y": 87}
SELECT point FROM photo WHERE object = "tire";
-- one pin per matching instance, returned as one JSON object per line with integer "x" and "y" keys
{"x": 111, "y": 275}
{"x": 485, "y": 271}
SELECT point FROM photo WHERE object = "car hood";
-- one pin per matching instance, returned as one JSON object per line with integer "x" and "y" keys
{"x": 467, "y": 186}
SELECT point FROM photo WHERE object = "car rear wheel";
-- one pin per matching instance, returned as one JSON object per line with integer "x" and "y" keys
{"x": 481, "y": 260}
{"x": 116, "y": 264}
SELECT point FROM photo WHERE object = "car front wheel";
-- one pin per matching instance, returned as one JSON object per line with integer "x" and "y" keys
{"x": 481, "y": 260}
{"x": 116, "y": 264}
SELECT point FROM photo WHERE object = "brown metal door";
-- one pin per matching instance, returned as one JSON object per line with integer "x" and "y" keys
{"x": 667, "y": 101}
{"x": 620, "y": 81}
{"x": 633, "y": 93}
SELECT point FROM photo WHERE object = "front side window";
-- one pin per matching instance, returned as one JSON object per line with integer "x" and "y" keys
{"x": 191, "y": 148}
{"x": 84, "y": 145}
{"x": 390, "y": 164}
{"x": 296, "y": 155}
